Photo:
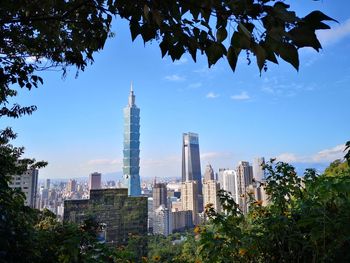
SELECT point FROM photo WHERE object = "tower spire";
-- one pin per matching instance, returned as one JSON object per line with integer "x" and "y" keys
{"x": 131, "y": 96}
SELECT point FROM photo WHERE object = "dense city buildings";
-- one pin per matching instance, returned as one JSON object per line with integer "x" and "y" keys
{"x": 27, "y": 183}
{"x": 122, "y": 215}
{"x": 95, "y": 181}
{"x": 230, "y": 183}
{"x": 71, "y": 185}
{"x": 131, "y": 152}
{"x": 191, "y": 166}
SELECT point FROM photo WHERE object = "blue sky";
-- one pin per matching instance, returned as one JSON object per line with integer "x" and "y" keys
{"x": 301, "y": 117}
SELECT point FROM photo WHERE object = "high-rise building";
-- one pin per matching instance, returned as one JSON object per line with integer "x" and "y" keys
{"x": 191, "y": 165}
{"x": 131, "y": 152}
{"x": 245, "y": 172}
{"x": 162, "y": 221}
{"x": 182, "y": 220}
{"x": 230, "y": 183}
{"x": 160, "y": 196}
{"x": 209, "y": 173}
{"x": 47, "y": 184}
{"x": 95, "y": 181}
{"x": 123, "y": 216}
{"x": 258, "y": 171}
{"x": 72, "y": 185}
{"x": 189, "y": 199}
{"x": 244, "y": 180}
{"x": 28, "y": 183}
{"x": 210, "y": 194}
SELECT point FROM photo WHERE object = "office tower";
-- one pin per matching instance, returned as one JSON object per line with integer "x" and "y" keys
{"x": 189, "y": 199}
{"x": 230, "y": 183}
{"x": 209, "y": 173}
{"x": 160, "y": 196}
{"x": 131, "y": 150}
{"x": 191, "y": 165}
{"x": 47, "y": 184}
{"x": 95, "y": 181}
{"x": 220, "y": 176}
{"x": 258, "y": 171}
{"x": 245, "y": 172}
{"x": 28, "y": 183}
{"x": 72, "y": 185}
{"x": 162, "y": 222}
{"x": 124, "y": 216}
{"x": 244, "y": 180}
{"x": 210, "y": 194}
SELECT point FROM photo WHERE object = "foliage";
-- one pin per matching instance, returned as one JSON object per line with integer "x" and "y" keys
{"x": 174, "y": 248}
{"x": 304, "y": 222}
{"x": 37, "y": 35}
{"x": 337, "y": 167}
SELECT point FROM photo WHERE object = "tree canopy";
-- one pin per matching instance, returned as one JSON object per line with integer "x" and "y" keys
{"x": 37, "y": 35}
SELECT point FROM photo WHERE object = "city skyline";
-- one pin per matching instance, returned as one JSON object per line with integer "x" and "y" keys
{"x": 297, "y": 116}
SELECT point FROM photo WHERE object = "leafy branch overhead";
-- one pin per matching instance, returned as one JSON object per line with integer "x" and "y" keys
{"x": 263, "y": 28}
{"x": 55, "y": 34}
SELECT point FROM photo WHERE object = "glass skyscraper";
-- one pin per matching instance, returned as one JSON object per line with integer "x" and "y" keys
{"x": 131, "y": 160}
{"x": 191, "y": 164}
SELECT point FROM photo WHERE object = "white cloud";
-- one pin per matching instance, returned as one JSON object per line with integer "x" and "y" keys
{"x": 212, "y": 95}
{"x": 175, "y": 77}
{"x": 195, "y": 85}
{"x": 327, "y": 155}
{"x": 331, "y": 154}
{"x": 335, "y": 34}
{"x": 242, "y": 96}
{"x": 181, "y": 61}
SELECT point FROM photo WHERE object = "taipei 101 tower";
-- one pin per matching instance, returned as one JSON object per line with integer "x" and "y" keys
{"x": 131, "y": 152}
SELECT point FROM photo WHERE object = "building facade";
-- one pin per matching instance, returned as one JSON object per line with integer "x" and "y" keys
{"x": 191, "y": 165}
{"x": 189, "y": 199}
{"x": 27, "y": 183}
{"x": 160, "y": 196}
{"x": 95, "y": 181}
{"x": 258, "y": 171}
{"x": 121, "y": 214}
{"x": 209, "y": 173}
{"x": 210, "y": 194}
{"x": 162, "y": 221}
{"x": 131, "y": 152}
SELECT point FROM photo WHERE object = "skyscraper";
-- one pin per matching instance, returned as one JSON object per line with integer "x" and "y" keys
{"x": 131, "y": 167}
{"x": 27, "y": 182}
{"x": 258, "y": 171}
{"x": 191, "y": 165}
{"x": 95, "y": 181}
{"x": 209, "y": 173}
{"x": 159, "y": 195}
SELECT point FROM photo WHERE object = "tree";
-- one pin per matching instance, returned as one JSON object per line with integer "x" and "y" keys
{"x": 304, "y": 222}
{"x": 37, "y": 35}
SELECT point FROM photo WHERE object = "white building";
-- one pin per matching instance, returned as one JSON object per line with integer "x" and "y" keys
{"x": 258, "y": 171}
{"x": 162, "y": 221}
{"x": 28, "y": 183}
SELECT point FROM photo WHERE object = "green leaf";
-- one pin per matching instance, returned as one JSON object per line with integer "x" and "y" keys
{"x": 232, "y": 56}
{"x": 221, "y": 34}
{"x": 290, "y": 54}
{"x": 260, "y": 54}
{"x": 215, "y": 52}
